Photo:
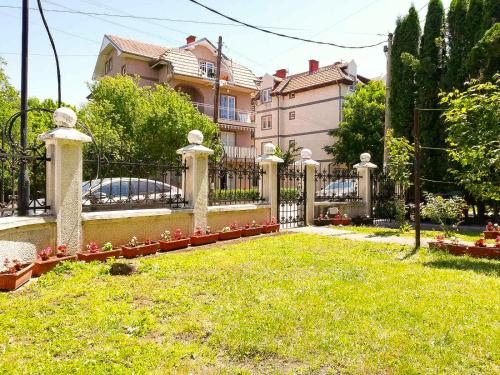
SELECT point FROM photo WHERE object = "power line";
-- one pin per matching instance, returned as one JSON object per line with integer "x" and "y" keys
{"x": 283, "y": 35}
{"x": 147, "y": 18}
{"x": 51, "y": 55}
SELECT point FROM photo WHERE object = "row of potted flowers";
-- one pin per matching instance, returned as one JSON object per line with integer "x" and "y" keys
{"x": 17, "y": 273}
{"x": 338, "y": 219}
{"x": 491, "y": 231}
{"x": 480, "y": 248}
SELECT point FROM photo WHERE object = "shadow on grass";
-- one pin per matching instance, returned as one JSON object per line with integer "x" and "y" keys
{"x": 384, "y": 233}
{"x": 483, "y": 266}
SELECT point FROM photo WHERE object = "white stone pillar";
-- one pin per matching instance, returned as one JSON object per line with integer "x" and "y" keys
{"x": 309, "y": 165}
{"x": 64, "y": 177}
{"x": 364, "y": 187}
{"x": 195, "y": 155}
{"x": 269, "y": 162}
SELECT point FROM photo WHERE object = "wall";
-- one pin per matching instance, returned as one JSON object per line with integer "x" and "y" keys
{"x": 221, "y": 216}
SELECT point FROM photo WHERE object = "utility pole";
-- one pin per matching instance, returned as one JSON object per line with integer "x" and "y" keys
{"x": 23, "y": 181}
{"x": 416, "y": 181}
{"x": 217, "y": 81}
{"x": 387, "y": 124}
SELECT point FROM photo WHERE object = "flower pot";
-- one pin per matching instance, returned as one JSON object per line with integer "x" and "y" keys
{"x": 438, "y": 245}
{"x": 483, "y": 252}
{"x": 336, "y": 221}
{"x": 346, "y": 221}
{"x": 43, "y": 266}
{"x": 252, "y": 231}
{"x": 141, "y": 249}
{"x": 174, "y": 244}
{"x": 270, "y": 228}
{"x": 231, "y": 235}
{"x": 322, "y": 222}
{"x": 100, "y": 256}
{"x": 491, "y": 234}
{"x": 12, "y": 281}
{"x": 203, "y": 239}
{"x": 456, "y": 249}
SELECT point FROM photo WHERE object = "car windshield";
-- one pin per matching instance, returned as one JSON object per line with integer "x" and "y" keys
{"x": 339, "y": 185}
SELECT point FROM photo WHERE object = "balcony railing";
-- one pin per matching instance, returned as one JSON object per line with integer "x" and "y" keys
{"x": 237, "y": 152}
{"x": 231, "y": 114}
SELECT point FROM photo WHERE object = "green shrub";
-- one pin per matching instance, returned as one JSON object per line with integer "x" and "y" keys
{"x": 252, "y": 194}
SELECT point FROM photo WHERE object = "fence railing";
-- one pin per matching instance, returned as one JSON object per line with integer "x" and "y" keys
{"x": 11, "y": 162}
{"x": 226, "y": 113}
{"x": 237, "y": 152}
{"x": 132, "y": 184}
{"x": 233, "y": 181}
{"x": 336, "y": 185}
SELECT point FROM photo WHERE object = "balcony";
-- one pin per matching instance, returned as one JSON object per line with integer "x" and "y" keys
{"x": 231, "y": 115}
{"x": 237, "y": 152}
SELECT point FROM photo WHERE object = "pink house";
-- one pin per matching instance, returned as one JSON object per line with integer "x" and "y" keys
{"x": 191, "y": 68}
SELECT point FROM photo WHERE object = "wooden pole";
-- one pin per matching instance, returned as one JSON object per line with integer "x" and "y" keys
{"x": 416, "y": 182}
{"x": 217, "y": 81}
{"x": 387, "y": 124}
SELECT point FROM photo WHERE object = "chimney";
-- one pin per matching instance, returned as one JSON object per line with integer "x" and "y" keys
{"x": 190, "y": 39}
{"x": 313, "y": 66}
{"x": 280, "y": 73}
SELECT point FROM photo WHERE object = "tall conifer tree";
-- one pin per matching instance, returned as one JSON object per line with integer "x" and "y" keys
{"x": 456, "y": 33}
{"x": 402, "y": 100}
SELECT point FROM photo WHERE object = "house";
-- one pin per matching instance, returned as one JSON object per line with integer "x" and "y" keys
{"x": 191, "y": 68}
{"x": 302, "y": 108}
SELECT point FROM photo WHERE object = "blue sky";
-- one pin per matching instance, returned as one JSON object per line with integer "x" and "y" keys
{"x": 78, "y": 37}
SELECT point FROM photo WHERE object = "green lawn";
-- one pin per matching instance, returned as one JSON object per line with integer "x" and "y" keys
{"x": 470, "y": 236}
{"x": 286, "y": 304}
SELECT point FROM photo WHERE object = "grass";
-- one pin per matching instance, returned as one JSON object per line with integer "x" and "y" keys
{"x": 287, "y": 304}
{"x": 470, "y": 236}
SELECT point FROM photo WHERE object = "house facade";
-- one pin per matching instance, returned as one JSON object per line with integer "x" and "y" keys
{"x": 191, "y": 69}
{"x": 302, "y": 108}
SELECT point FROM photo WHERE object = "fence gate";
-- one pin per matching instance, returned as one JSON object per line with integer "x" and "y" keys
{"x": 291, "y": 196}
{"x": 384, "y": 193}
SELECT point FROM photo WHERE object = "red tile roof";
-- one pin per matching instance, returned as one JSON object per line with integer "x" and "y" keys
{"x": 137, "y": 48}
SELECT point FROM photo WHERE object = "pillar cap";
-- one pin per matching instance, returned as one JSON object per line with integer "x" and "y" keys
{"x": 269, "y": 154}
{"x": 195, "y": 139}
{"x": 365, "y": 158}
{"x": 65, "y": 134}
{"x": 306, "y": 158}
{"x": 64, "y": 117}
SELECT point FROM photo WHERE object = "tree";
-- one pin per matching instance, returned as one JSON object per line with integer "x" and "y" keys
{"x": 362, "y": 129}
{"x": 473, "y": 24}
{"x": 456, "y": 72}
{"x": 9, "y": 97}
{"x": 472, "y": 135}
{"x": 429, "y": 80}
{"x": 402, "y": 100}
{"x": 484, "y": 59}
{"x": 145, "y": 123}
{"x": 289, "y": 155}
{"x": 491, "y": 14}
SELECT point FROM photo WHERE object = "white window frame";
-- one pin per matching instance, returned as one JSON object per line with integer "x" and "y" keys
{"x": 265, "y": 95}
{"x": 206, "y": 67}
{"x": 266, "y": 120}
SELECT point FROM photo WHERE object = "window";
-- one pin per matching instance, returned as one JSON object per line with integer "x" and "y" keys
{"x": 291, "y": 95}
{"x": 108, "y": 65}
{"x": 291, "y": 143}
{"x": 123, "y": 70}
{"x": 228, "y": 138}
{"x": 227, "y": 108}
{"x": 265, "y": 95}
{"x": 291, "y": 115}
{"x": 207, "y": 69}
{"x": 266, "y": 122}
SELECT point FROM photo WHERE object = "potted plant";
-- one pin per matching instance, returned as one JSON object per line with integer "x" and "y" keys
{"x": 271, "y": 226}
{"x": 346, "y": 220}
{"x": 230, "y": 232}
{"x": 203, "y": 236}
{"x": 15, "y": 274}
{"x": 93, "y": 252}
{"x": 251, "y": 229}
{"x": 491, "y": 231}
{"x": 174, "y": 241}
{"x": 322, "y": 220}
{"x": 46, "y": 259}
{"x": 135, "y": 248}
{"x": 337, "y": 219}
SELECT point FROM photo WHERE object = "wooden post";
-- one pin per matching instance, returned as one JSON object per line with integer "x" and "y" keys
{"x": 416, "y": 135}
{"x": 217, "y": 81}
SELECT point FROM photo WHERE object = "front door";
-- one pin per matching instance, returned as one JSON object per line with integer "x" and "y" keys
{"x": 227, "y": 107}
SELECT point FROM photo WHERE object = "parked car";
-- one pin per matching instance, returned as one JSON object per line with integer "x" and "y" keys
{"x": 339, "y": 189}
{"x": 117, "y": 189}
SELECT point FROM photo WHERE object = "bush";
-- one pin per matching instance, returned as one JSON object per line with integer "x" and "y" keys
{"x": 443, "y": 211}
{"x": 236, "y": 194}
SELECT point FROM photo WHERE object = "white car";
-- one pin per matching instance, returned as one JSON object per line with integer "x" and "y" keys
{"x": 339, "y": 189}
{"x": 124, "y": 189}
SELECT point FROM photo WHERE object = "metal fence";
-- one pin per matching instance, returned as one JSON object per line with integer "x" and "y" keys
{"x": 336, "y": 185}
{"x": 33, "y": 159}
{"x": 385, "y": 194}
{"x": 111, "y": 184}
{"x": 233, "y": 181}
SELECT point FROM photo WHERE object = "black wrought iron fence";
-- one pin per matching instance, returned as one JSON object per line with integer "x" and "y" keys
{"x": 233, "y": 181}
{"x": 111, "y": 184}
{"x": 336, "y": 184}
{"x": 385, "y": 195}
{"x": 11, "y": 161}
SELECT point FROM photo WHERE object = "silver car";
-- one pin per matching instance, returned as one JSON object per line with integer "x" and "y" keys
{"x": 340, "y": 188}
